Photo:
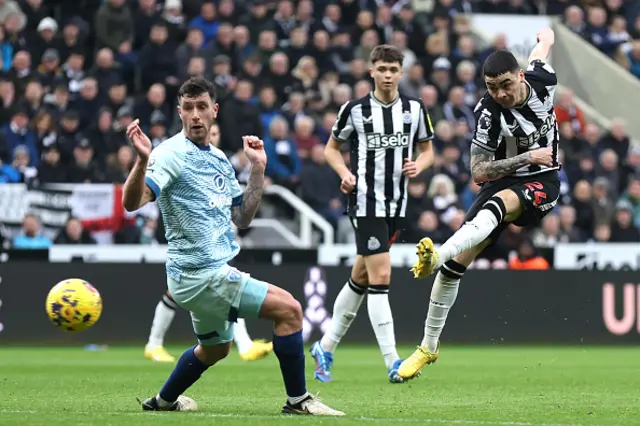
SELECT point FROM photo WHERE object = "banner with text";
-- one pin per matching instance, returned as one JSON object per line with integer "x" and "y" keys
{"x": 493, "y": 307}
{"x": 98, "y": 206}
{"x": 598, "y": 257}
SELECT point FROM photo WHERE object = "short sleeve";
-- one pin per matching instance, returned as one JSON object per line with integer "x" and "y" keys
{"x": 163, "y": 168}
{"x": 343, "y": 127}
{"x": 425, "y": 128}
{"x": 487, "y": 132}
{"x": 543, "y": 72}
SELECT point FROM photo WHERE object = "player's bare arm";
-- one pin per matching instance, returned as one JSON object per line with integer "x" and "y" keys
{"x": 424, "y": 160}
{"x": 334, "y": 158}
{"x": 243, "y": 214}
{"x": 485, "y": 169}
{"x": 136, "y": 193}
{"x": 540, "y": 52}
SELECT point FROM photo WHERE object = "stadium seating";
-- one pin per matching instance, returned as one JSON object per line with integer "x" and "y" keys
{"x": 73, "y": 77}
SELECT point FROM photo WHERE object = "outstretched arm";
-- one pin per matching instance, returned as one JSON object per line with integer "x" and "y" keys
{"x": 244, "y": 213}
{"x": 484, "y": 168}
{"x": 540, "y": 52}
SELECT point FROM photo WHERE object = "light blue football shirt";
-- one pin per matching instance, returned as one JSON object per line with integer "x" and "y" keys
{"x": 195, "y": 188}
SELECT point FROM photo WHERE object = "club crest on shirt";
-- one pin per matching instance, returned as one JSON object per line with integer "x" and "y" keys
{"x": 219, "y": 182}
{"x": 406, "y": 117}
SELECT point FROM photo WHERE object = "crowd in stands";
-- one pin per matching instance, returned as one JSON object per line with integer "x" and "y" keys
{"x": 72, "y": 78}
{"x": 612, "y": 26}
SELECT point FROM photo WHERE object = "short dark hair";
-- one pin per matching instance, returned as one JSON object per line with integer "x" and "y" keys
{"x": 197, "y": 86}
{"x": 386, "y": 53}
{"x": 500, "y": 62}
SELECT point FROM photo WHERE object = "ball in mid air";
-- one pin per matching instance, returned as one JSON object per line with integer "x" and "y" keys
{"x": 74, "y": 305}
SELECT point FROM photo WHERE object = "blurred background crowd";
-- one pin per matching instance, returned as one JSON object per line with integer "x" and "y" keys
{"x": 75, "y": 73}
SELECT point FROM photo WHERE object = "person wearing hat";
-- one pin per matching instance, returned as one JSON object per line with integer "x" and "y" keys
{"x": 18, "y": 133}
{"x": 158, "y": 128}
{"x": 622, "y": 229}
{"x": 51, "y": 169}
{"x": 49, "y": 69}
{"x": 83, "y": 168}
{"x": 46, "y": 37}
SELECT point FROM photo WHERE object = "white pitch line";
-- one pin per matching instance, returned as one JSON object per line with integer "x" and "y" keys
{"x": 281, "y": 417}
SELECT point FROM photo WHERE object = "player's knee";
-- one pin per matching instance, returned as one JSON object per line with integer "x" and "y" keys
{"x": 360, "y": 278}
{"x": 292, "y": 312}
{"x": 380, "y": 275}
{"x": 510, "y": 200}
{"x": 497, "y": 207}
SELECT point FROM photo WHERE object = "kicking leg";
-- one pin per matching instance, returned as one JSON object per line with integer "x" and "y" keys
{"x": 162, "y": 319}
{"x": 443, "y": 296}
{"x": 505, "y": 206}
{"x": 345, "y": 310}
{"x": 286, "y": 313}
{"x": 250, "y": 350}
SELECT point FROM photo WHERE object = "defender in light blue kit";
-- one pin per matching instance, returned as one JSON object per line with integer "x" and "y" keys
{"x": 199, "y": 197}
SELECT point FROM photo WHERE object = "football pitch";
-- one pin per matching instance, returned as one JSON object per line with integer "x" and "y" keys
{"x": 493, "y": 385}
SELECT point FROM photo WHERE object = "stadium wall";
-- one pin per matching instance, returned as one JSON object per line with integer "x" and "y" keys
{"x": 493, "y": 307}
{"x": 591, "y": 76}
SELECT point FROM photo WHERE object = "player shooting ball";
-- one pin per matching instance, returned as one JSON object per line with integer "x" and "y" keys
{"x": 514, "y": 156}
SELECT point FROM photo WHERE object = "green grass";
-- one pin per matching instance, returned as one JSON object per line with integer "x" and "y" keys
{"x": 497, "y": 385}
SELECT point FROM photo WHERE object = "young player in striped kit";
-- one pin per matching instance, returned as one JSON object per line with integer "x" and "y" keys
{"x": 383, "y": 129}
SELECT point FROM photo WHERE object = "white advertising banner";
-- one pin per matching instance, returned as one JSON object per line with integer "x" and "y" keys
{"x": 520, "y": 31}
{"x": 598, "y": 257}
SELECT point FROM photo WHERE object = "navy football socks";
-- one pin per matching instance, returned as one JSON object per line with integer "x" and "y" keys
{"x": 290, "y": 352}
{"x": 187, "y": 371}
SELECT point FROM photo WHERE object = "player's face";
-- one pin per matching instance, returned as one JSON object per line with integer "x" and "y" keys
{"x": 386, "y": 75}
{"x": 506, "y": 88}
{"x": 197, "y": 113}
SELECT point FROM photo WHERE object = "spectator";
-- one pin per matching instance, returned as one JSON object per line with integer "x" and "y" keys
{"x": 528, "y": 258}
{"x": 114, "y": 24}
{"x": 566, "y": 111}
{"x": 74, "y": 233}
{"x": 31, "y": 237}
{"x": 320, "y": 187}
{"x": 18, "y": 133}
{"x": 283, "y": 162}
{"x": 622, "y": 228}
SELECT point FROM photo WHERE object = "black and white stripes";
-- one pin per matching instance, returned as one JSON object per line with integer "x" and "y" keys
{"x": 382, "y": 136}
{"x": 533, "y": 125}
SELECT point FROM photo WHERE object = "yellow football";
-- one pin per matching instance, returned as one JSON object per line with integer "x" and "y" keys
{"x": 74, "y": 305}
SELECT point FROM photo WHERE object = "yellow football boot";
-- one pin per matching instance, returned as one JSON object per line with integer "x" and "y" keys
{"x": 259, "y": 349}
{"x": 411, "y": 366}
{"x": 158, "y": 354}
{"x": 427, "y": 257}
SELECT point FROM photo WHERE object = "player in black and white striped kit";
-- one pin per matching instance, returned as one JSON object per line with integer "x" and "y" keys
{"x": 514, "y": 156}
{"x": 383, "y": 129}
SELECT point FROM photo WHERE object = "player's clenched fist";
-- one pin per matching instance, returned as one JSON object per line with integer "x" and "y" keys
{"x": 546, "y": 35}
{"x": 254, "y": 149}
{"x": 141, "y": 142}
{"x": 348, "y": 184}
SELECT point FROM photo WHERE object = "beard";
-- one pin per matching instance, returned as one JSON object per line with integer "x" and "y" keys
{"x": 198, "y": 134}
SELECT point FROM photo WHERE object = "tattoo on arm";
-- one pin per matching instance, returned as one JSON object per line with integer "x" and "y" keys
{"x": 484, "y": 168}
{"x": 243, "y": 214}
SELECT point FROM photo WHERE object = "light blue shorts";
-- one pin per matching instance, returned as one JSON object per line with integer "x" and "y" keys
{"x": 216, "y": 299}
